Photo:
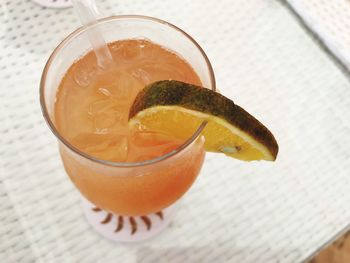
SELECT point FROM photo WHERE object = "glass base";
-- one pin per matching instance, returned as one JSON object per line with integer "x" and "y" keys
{"x": 128, "y": 228}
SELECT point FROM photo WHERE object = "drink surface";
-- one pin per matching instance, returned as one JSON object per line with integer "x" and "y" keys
{"x": 92, "y": 105}
{"x": 91, "y": 112}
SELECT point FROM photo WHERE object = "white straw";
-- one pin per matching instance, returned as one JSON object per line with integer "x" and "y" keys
{"x": 87, "y": 12}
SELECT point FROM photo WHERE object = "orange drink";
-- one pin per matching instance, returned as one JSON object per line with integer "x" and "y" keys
{"x": 125, "y": 171}
{"x": 91, "y": 112}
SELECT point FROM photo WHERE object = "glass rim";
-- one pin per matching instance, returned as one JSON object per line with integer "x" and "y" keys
{"x": 90, "y": 157}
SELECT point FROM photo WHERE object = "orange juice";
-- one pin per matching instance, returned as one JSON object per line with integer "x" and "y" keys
{"x": 91, "y": 112}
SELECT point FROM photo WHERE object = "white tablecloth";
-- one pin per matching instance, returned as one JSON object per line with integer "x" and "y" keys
{"x": 330, "y": 21}
{"x": 236, "y": 212}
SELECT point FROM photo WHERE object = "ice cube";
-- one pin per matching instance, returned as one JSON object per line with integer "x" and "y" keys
{"x": 118, "y": 150}
{"x": 104, "y": 92}
{"x": 149, "y": 138}
{"x": 91, "y": 142}
{"x": 107, "y": 114}
{"x": 112, "y": 147}
{"x": 169, "y": 71}
{"x": 142, "y": 75}
{"x": 100, "y": 106}
{"x": 84, "y": 75}
{"x": 126, "y": 50}
{"x": 139, "y": 154}
{"x": 104, "y": 120}
{"x": 125, "y": 87}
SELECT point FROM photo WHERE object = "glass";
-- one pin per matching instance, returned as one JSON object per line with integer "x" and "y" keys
{"x": 128, "y": 201}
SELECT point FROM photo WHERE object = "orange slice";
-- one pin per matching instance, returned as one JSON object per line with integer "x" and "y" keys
{"x": 178, "y": 108}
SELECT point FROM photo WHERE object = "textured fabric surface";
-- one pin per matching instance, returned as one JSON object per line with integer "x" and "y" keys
{"x": 330, "y": 20}
{"x": 236, "y": 211}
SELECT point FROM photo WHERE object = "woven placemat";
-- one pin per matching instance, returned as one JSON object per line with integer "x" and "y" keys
{"x": 235, "y": 212}
{"x": 330, "y": 20}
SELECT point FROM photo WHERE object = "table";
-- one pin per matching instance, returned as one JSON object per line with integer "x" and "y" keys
{"x": 264, "y": 59}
